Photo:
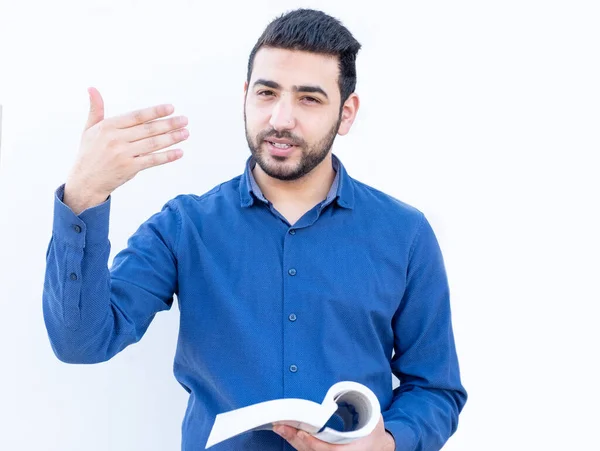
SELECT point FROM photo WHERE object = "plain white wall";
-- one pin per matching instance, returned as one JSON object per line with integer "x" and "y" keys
{"x": 484, "y": 115}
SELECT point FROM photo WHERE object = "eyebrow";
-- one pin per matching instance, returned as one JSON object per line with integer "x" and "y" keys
{"x": 303, "y": 88}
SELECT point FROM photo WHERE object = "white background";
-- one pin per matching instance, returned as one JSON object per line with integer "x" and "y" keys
{"x": 482, "y": 114}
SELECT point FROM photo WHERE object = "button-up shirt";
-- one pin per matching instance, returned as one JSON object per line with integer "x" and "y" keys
{"x": 354, "y": 290}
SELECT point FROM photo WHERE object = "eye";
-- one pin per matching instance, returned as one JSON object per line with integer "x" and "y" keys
{"x": 265, "y": 93}
{"x": 311, "y": 99}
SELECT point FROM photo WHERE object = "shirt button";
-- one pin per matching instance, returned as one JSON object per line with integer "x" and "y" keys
{"x": 292, "y": 232}
{"x": 77, "y": 228}
{"x": 292, "y": 272}
{"x": 292, "y": 317}
{"x": 73, "y": 276}
{"x": 293, "y": 368}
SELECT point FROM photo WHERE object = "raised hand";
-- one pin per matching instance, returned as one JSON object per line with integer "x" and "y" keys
{"x": 113, "y": 150}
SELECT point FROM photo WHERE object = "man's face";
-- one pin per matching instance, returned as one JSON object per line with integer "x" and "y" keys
{"x": 291, "y": 111}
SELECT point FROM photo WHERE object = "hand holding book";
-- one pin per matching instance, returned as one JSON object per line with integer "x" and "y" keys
{"x": 349, "y": 412}
{"x": 379, "y": 439}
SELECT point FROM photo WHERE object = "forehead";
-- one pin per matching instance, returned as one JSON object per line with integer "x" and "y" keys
{"x": 295, "y": 67}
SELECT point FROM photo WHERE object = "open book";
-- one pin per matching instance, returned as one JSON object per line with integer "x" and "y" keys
{"x": 348, "y": 412}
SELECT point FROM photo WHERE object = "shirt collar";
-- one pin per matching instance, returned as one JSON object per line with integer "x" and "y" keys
{"x": 342, "y": 190}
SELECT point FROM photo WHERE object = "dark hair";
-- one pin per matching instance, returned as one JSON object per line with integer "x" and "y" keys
{"x": 313, "y": 31}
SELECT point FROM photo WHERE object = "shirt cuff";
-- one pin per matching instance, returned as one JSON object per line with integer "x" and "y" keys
{"x": 90, "y": 227}
{"x": 405, "y": 437}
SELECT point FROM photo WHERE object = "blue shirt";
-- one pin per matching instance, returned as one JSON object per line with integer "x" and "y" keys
{"x": 267, "y": 309}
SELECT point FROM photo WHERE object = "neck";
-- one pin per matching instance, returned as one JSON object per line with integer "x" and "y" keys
{"x": 307, "y": 190}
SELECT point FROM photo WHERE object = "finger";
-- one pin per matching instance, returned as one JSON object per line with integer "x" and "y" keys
{"x": 304, "y": 441}
{"x": 96, "y": 112}
{"x": 157, "y": 159}
{"x": 291, "y": 435}
{"x": 314, "y": 444}
{"x": 154, "y": 143}
{"x": 153, "y": 128}
{"x": 298, "y": 444}
{"x": 288, "y": 434}
{"x": 140, "y": 116}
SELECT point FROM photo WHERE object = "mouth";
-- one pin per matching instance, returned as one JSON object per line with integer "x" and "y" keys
{"x": 280, "y": 149}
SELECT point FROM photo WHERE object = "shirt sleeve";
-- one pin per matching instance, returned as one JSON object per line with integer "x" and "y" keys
{"x": 425, "y": 407}
{"x": 91, "y": 313}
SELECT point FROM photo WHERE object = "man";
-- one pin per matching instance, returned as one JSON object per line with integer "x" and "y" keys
{"x": 289, "y": 277}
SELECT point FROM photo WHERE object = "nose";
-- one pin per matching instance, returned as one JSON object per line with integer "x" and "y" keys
{"x": 282, "y": 116}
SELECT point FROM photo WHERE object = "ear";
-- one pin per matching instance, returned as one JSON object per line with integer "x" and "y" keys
{"x": 349, "y": 111}
{"x": 245, "y": 91}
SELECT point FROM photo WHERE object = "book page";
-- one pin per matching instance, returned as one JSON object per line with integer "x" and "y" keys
{"x": 299, "y": 413}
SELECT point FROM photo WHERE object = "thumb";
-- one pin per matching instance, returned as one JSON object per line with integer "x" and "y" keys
{"x": 96, "y": 113}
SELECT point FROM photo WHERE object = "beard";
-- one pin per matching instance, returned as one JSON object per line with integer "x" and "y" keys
{"x": 311, "y": 155}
